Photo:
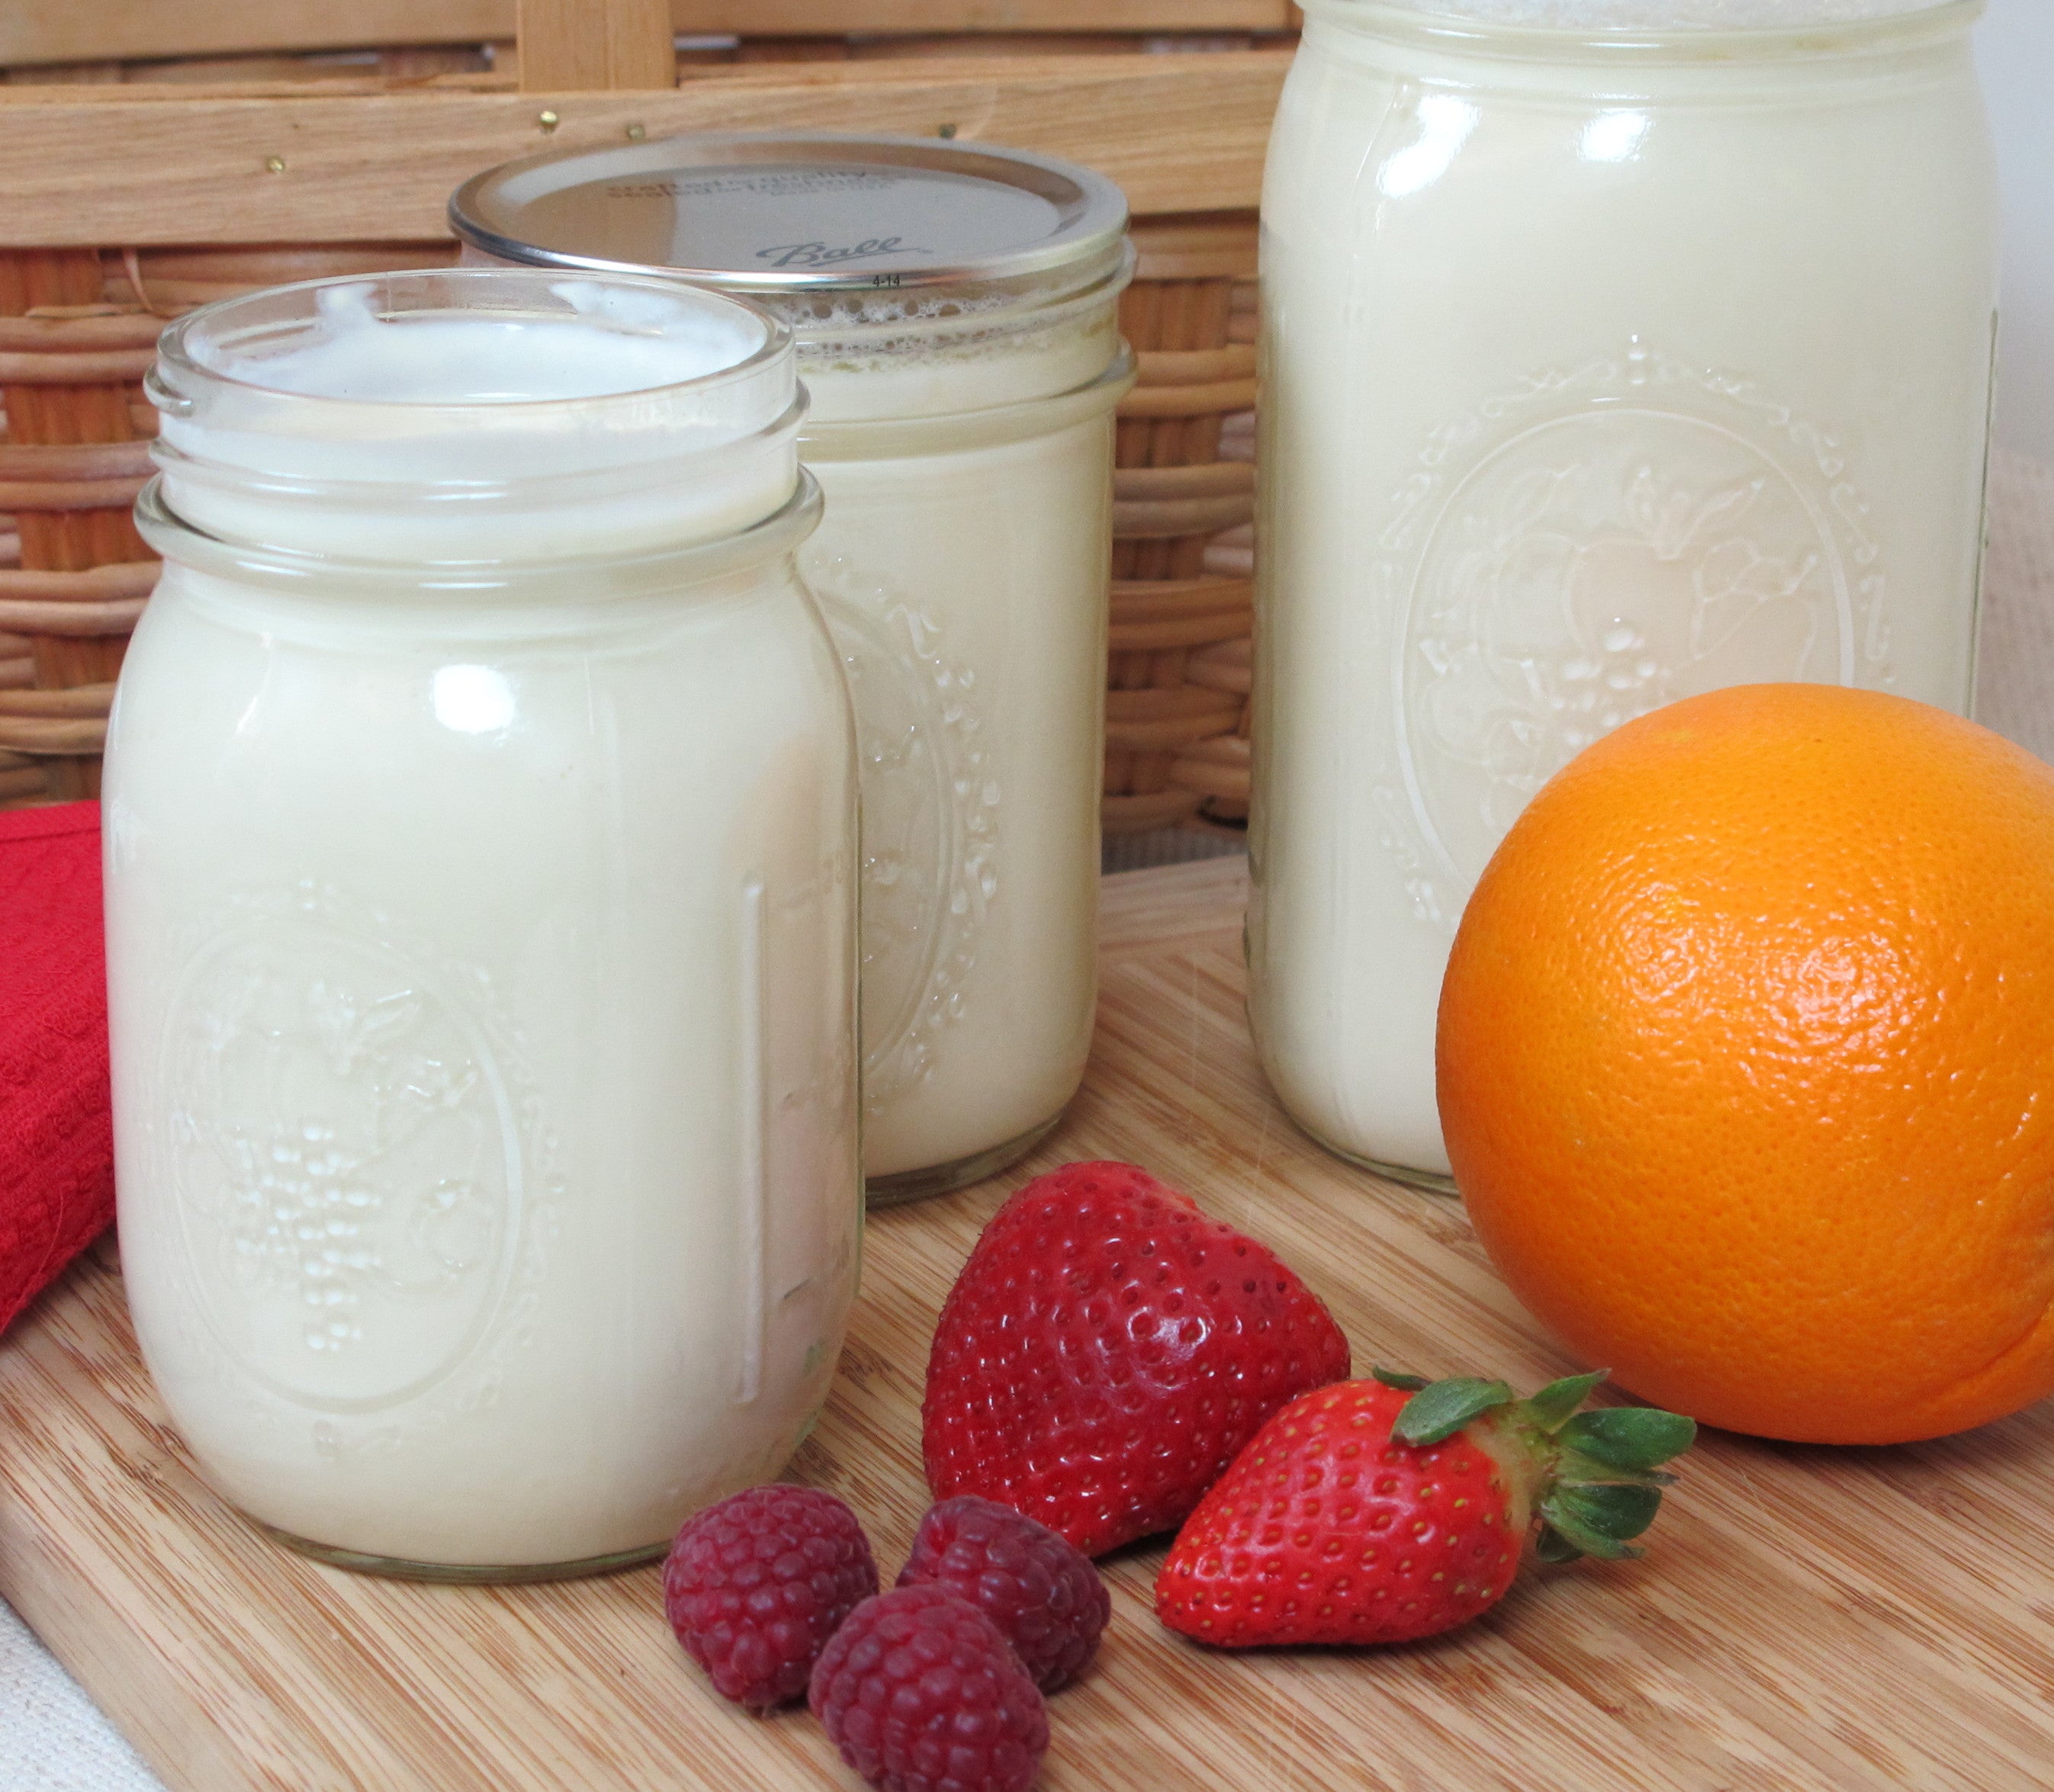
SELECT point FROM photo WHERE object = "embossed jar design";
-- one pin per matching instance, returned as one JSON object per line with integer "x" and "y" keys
{"x": 1615, "y": 350}
{"x": 480, "y": 814}
{"x": 955, "y": 311}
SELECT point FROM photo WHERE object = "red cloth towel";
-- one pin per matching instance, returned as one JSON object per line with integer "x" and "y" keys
{"x": 56, "y": 1135}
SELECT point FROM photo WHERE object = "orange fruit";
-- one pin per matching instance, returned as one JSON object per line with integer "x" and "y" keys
{"x": 1746, "y": 1062}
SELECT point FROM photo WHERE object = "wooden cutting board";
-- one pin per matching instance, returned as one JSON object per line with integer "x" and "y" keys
{"x": 1809, "y": 1618}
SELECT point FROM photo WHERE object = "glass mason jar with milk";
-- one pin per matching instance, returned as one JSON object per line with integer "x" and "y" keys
{"x": 480, "y": 816}
{"x": 954, "y": 307}
{"x": 1614, "y": 350}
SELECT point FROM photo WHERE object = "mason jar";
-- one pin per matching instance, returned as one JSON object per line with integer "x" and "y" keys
{"x": 1614, "y": 350}
{"x": 955, "y": 311}
{"x": 480, "y": 817}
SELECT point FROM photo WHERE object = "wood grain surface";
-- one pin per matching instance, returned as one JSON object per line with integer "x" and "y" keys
{"x": 573, "y": 44}
{"x": 1808, "y": 1618}
{"x": 37, "y": 31}
{"x": 135, "y": 166}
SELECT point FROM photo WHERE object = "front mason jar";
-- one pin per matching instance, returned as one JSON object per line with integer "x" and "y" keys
{"x": 956, "y": 306}
{"x": 1602, "y": 366}
{"x": 480, "y": 821}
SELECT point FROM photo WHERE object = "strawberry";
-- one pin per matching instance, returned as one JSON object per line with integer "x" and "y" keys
{"x": 1379, "y": 1511}
{"x": 1107, "y": 1351}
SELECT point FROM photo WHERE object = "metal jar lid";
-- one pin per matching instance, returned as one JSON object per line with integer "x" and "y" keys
{"x": 775, "y": 213}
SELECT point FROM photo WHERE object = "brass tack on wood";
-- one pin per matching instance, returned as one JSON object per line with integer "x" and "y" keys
{"x": 548, "y": 120}
{"x": 274, "y": 164}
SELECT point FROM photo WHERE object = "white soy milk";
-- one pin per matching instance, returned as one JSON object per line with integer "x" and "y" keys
{"x": 480, "y": 925}
{"x": 955, "y": 311}
{"x": 1594, "y": 378}
{"x": 963, "y": 570}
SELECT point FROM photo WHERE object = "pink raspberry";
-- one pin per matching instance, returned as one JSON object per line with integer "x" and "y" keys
{"x": 921, "y": 1693}
{"x": 1038, "y": 1588}
{"x": 755, "y": 1586}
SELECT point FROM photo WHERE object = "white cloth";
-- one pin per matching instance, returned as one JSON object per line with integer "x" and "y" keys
{"x": 53, "y": 1738}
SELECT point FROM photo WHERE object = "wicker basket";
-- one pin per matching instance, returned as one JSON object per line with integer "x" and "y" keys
{"x": 1176, "y": 695}
{"x": 77, "y": 325}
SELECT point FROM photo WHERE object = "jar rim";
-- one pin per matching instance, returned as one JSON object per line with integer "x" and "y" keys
{"x": 642, "y": 470}
{"x": 175, "y": 355}
{"x": 1428, "y": 20}
{"x": 307, "y": 575}
{"x": 1085, "y": 221}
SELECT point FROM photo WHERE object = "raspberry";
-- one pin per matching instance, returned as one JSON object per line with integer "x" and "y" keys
{"x": 1038, "y": 1588}
{"x": 755, "y": 1586}
{"x": 921, "y": 1693}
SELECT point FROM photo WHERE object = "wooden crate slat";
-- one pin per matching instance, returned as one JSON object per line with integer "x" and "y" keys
{"x": 94, "y": 30}
{"x": 94, "y": 166}
{"x": 32, "y": 31}
{"x": 773, "y": 18}
{"x": 573, "y": 44}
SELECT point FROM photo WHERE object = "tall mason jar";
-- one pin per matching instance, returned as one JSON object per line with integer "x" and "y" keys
{"x": 480, "y": 817}
{"x": 954, "y": 307}
{"x": 1614, "y": 350}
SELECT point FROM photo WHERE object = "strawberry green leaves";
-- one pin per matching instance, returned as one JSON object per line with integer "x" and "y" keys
{"x": 1607, "y": 1484}
{"x": 1550, "y": 1407}
{"x": 1598, "y": 1474}
{"x": 1633, "y": 1438}
{"x": 1440, "y": 1410}
{"x": 1597, "y": 1520}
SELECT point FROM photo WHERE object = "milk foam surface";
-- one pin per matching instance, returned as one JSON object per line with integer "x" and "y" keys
{"x": 617, "y": 342}
{"x": 445, "y": 434}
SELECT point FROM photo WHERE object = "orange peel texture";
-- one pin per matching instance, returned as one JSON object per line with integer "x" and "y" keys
{"x": 1746, "y": 1063}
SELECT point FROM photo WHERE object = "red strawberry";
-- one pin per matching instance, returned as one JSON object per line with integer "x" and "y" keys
{"x": 1107, "y": 1351}
{"x": 1380, "y": 1512}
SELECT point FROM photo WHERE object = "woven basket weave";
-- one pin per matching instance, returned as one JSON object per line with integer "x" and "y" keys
{"x": 1176, "y": 695}
{"x": 76, "y": 331}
